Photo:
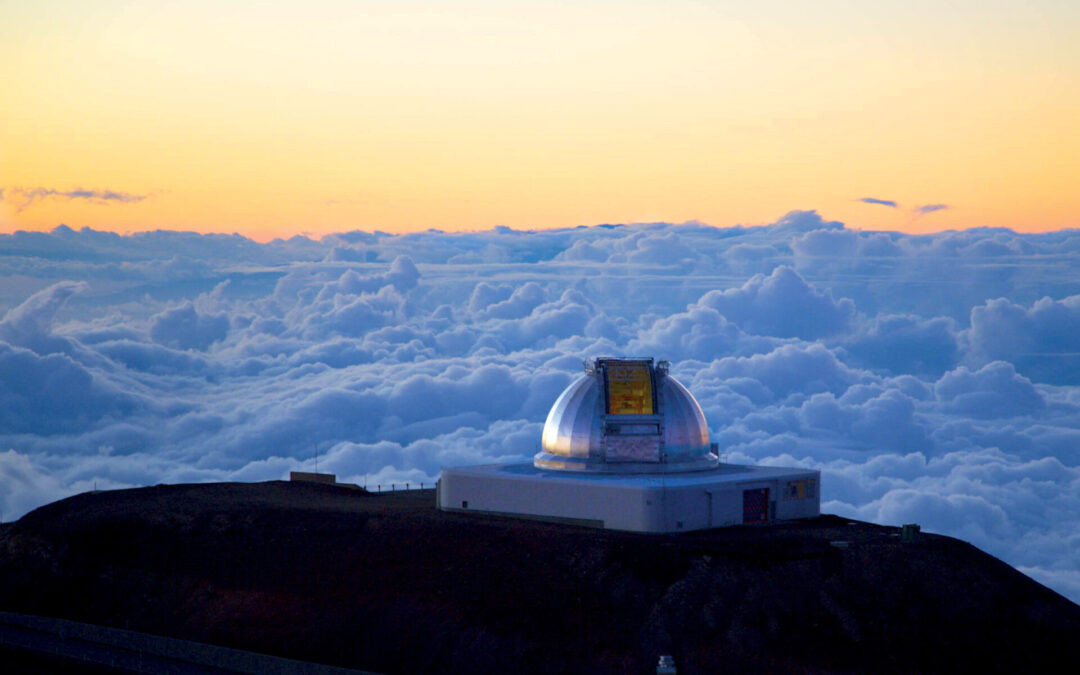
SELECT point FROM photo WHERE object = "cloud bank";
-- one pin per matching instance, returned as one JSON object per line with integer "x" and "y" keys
{"x": 932, "y": 378}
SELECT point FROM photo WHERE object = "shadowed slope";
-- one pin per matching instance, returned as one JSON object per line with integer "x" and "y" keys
{"x": 388, "y": 583}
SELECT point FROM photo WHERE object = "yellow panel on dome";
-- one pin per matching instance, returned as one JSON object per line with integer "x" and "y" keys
{"x": 629, "y": 388}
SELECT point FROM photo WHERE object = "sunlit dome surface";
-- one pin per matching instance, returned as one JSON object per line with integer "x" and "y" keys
{"x": 626, "y": 416}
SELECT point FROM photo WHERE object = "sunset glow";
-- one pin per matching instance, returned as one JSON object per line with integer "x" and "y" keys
{"x": 277, "y": 118}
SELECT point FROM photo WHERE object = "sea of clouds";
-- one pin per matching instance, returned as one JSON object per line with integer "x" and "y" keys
{"x": 931, "y": 378}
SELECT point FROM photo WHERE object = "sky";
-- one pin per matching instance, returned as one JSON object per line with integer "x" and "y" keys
{"x": 271, "y": 119}
{"x": 239, "y": 236}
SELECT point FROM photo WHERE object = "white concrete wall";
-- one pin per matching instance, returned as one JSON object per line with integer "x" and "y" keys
{"x": 726, "y": 506}
{"x": 615, "y": 507}
{"x": 807, "y": 507}
{"x": 672, "y": 506}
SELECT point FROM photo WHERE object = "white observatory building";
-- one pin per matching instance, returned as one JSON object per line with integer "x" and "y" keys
{"x": 626, "y": 447}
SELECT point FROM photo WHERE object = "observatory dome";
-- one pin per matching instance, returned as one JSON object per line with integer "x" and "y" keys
{"x": 626, "y": 416}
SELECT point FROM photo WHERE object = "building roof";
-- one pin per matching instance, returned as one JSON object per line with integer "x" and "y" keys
{"x": 723, "y": 474}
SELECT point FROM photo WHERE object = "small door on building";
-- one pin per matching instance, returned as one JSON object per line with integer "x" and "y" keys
{"x": 755, "y": 505}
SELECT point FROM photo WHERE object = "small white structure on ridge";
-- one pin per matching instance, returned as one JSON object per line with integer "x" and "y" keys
{"x": 626, "y": 447}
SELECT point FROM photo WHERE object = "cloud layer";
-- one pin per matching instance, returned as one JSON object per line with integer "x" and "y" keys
{"x": 932, "y": 378}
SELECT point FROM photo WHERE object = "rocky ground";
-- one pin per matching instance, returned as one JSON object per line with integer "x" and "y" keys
{"x": 386, "y": 582}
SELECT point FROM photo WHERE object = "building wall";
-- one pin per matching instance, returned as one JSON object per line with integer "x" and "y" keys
{"x": 674, "y": 506}
{"x": 807, "y": 506}
{"x": 696, "y": 507}
{"x": 727, "y": 506}
{"x": 684, "y": 508}
{"x": 307, "y": 476}
{"x": 610, "y": 506}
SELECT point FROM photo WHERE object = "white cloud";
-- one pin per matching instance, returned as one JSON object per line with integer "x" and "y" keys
{"x": 1042, "y": 341}
{"x": 995, "y": 390}
{"x": 932, "y": 378}
{"x": 782, "y": 304}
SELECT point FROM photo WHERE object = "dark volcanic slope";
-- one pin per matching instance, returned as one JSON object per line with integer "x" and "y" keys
{"x": 388, "y": 583}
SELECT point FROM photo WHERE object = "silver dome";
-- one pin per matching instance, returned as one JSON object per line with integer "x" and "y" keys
{"x": 663, "y": 430}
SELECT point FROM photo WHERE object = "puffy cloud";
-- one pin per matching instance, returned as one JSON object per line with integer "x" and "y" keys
{"x": 184, "y": 327}
{"x": 30, "y": 324}
{"x": 490, "y": 390}
{"x": 566, "y": 317}
{"x": 1042, "y": 341}
{"x": 906, "y": 344}
{"x": 790, "y": 369}
{"x": 359, "y": 254}
{"x": 973, "y": 517}
{"x": 783, "y": 305}
{"x": 803, "y": 221}
{"x": 584, "y": 250}
{"x": 27, "y": 486}
{"x": 152, "y": 358}
{"x": 750, "y": 258}
{"x": 51, "y": 394}
{"x": 995, "y": 390}
{"x": 885, "y": 421}
{"x": 700, "y": 333}
{"x": 485, "y": 295}
{"x": 853, "y": 249}
{"x": 664, "y": 249}
{"x": 421, "y": 460}
{"x": 1010, "y": 507}
{"x": 521, "y": 302}
{"x": 346, "y": 314}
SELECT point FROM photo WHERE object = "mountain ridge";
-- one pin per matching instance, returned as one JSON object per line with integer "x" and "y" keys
{"x": 387, "y": 583}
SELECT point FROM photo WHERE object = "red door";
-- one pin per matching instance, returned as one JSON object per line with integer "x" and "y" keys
{"x": 755, "y": 505}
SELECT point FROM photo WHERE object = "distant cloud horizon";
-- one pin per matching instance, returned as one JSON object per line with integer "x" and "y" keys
{"x": 336, "y": 235}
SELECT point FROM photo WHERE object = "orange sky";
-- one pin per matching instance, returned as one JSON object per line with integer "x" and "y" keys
{"x": 276, "y": 118}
